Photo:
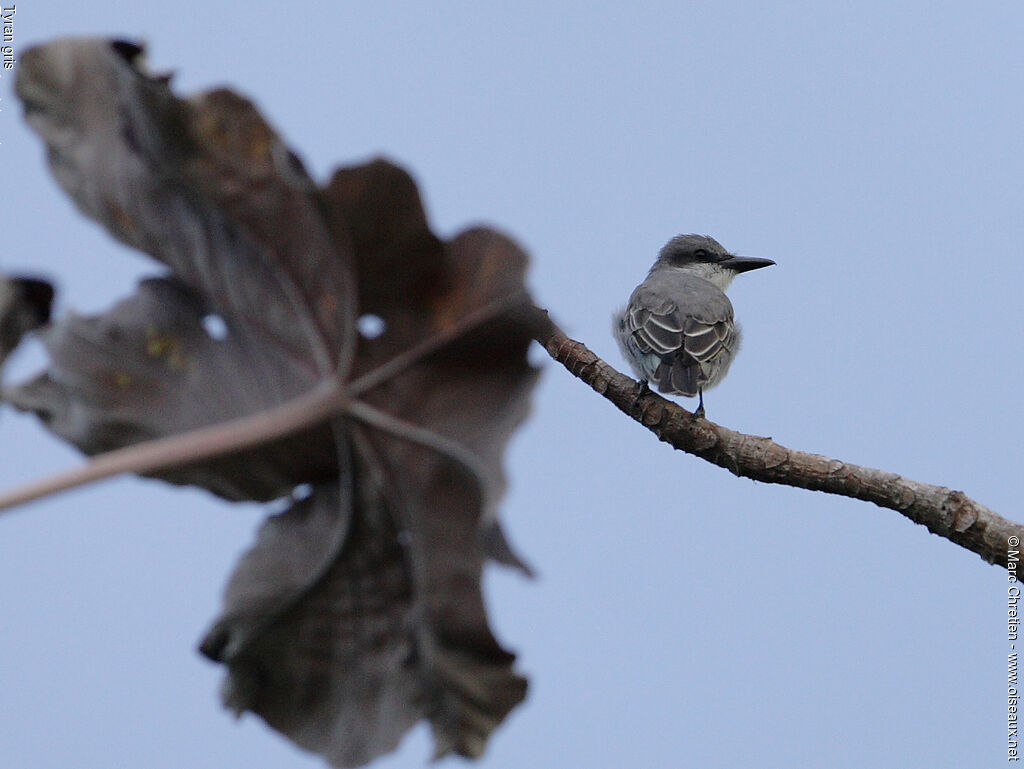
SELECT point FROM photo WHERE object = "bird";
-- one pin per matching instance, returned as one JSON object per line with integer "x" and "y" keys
{"x": 678, "y": 330}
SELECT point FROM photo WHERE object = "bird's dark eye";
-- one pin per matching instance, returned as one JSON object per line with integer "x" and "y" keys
{"x": 127, "y": 50}
{"x": 702, "y": 254}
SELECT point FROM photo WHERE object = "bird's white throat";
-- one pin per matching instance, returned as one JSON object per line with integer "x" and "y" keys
{"x": 715, "y": 273}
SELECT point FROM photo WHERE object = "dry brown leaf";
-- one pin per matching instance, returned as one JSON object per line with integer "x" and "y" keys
{"x": 358, "y": 611}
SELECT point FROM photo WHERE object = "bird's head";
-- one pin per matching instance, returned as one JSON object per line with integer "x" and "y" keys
{"x": 706, "y": 257}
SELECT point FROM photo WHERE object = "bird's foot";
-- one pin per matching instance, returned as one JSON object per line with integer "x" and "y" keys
{"x": 700, "y": 406}
{"x": 641, "y": 390}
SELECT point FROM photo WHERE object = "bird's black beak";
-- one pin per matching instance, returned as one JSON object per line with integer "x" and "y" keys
{"x": 746, "y": 263}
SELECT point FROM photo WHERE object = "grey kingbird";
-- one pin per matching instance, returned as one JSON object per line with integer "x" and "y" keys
{"x": 678, "y": 330}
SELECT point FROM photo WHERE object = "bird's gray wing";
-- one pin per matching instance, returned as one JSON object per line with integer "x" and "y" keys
{"x": 685, "y": 323}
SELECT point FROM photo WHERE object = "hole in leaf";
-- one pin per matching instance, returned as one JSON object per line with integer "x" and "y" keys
{"x": 371, "y": 326}
{"x": 215, "y": 326}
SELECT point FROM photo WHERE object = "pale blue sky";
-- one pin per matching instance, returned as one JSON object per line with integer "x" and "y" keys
{"x": 683, "y": 617}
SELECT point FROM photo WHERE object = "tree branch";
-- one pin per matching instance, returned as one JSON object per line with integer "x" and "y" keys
{"x": 194, "y": 446}
{"x": 329, "y": 398}
{"x": 948, "y": 513}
